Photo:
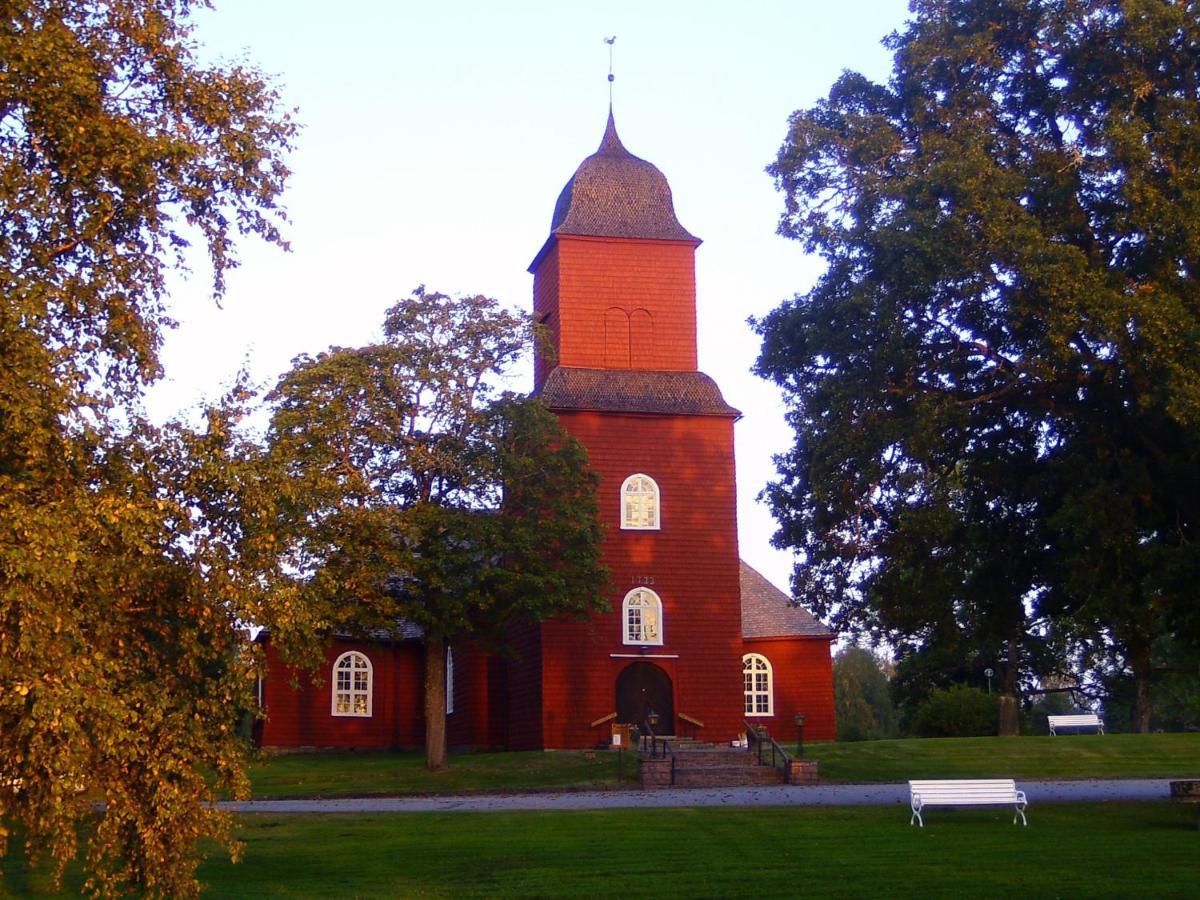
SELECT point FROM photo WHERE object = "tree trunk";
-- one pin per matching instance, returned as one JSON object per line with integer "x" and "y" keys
{"x": 1010, "y": 715}
{"x": 1010, "y": 702}
{"x": 1139, "y": 661}
{"x": 435, "y": 701}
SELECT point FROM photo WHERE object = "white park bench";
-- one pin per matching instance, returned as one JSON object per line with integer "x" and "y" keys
{"x": 966, "y": 792}
{"x": 1077, "y": 720}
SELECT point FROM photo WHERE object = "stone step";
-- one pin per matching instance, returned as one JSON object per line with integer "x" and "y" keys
{"x": 714, "y": 758}
{"x": 729, "y": 776}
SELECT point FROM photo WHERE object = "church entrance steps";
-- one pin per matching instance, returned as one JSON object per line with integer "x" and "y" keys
{"x": 696, "y": 764}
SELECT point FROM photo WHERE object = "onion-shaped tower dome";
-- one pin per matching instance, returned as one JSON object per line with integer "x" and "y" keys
{"x": 615, "y": 194}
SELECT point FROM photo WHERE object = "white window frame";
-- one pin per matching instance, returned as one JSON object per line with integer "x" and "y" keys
{"x": 640, "y": 488}
{"x": 449, "y": 680}
{"x": 633, "y": 608}
{"x": 753, "y": 666}
{"x": 352, "y": 689}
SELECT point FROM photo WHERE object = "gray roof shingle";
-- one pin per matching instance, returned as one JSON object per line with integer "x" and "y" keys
{"x": 768, "y": 612}
{"x": 615, "y": 194}
{"x": 634, "y": 391}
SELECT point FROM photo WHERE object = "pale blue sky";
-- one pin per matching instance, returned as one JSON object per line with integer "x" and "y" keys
{"x": 437, "y": 137}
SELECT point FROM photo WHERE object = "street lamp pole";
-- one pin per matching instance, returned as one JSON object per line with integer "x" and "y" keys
{"x": 799, "y": 734}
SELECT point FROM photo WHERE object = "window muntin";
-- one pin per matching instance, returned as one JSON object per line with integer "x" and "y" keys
{"x": 449, "y": 681}
{"x": 639, "y": 504}
{"x": 352, "y": 685}
{"x": 757, "y": 678}
{"x": 642, "y": 617}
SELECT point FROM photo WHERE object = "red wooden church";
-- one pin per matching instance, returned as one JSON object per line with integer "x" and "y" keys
{"x": 694, "y": 634}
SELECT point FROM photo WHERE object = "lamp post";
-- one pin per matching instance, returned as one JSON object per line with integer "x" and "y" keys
{"x": 799, "y": 734}
{"x": 989, "y": 673}
{"x": 652, "y": 721}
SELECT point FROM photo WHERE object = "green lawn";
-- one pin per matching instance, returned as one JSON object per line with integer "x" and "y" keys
{"x": 361, "y": 774}
{"x": 1103, "y": 850}
{"x": 1074, "y": 756}
{"x": 1070, "y": 756}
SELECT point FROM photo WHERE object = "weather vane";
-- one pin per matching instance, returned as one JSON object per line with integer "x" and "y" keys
{"x": 610, "y": 41}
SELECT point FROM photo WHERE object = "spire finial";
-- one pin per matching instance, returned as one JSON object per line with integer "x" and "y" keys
{"x": 610, "y": 41}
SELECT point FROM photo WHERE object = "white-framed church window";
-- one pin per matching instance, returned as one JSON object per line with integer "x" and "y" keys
{"x": 352, "y": 685}
{"x": 642, "y": 616}
{"x": 756, "y": 676}
{"x": 449, "y": 681}
{"x": 639, "y": 503}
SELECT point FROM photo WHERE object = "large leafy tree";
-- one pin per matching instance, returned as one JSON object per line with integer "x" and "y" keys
{"x": 121, "y": 573}
{"x": 996, "y": 383}
{"x": 415, "y": 491}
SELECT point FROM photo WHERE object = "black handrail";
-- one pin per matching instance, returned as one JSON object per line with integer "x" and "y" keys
{"x": 760, "y": 737}
{"x": 655, "y": 742}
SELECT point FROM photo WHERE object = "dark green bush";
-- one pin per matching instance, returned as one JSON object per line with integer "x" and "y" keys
{"x": 958, "y": 711}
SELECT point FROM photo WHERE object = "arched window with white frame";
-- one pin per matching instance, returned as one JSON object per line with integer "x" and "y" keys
{"x": 352, "y": 685}
{"x": 449, "y": 681}
{"x": 757, "y": 678}
{"x": 640, "y": 503}
{"x": 642, "y": 615}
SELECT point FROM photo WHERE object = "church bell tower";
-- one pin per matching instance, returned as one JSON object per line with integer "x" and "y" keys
{"x": 615, "y": 292}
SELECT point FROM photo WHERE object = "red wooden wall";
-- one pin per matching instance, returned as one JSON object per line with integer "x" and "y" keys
{"x": 581, "y": 280}
{"x": 803, "y": 682}
{"x": 691, "y": 563}
{"x": 300, "y": 716}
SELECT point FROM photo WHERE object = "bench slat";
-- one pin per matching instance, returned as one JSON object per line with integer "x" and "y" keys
{"x": 1075, "y": 720}
{"x": 965, "y": 792}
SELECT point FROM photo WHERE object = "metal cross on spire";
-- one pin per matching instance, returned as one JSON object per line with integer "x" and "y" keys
{"x": 610, "y": 41}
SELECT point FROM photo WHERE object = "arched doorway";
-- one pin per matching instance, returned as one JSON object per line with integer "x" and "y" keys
{"x": 641, "y": 688}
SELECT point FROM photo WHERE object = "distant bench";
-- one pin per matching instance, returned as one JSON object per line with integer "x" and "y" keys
{"x": 1080, "y": 720}
{"x": 966, "y": 792}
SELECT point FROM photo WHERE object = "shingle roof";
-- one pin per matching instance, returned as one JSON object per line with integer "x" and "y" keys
{"x": 615, "y": 194}
{"x": 768, "y": 612}
{"x": 634, "y": 391}
{"x": 404, "y": 630}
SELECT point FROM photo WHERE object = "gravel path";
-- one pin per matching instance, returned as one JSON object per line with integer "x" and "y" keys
{"x": 780, "y": 795}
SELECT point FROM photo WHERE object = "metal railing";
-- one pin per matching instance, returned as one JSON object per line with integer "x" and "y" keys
{"x": 767, "y": 749}
{"x": 657, "y": 746}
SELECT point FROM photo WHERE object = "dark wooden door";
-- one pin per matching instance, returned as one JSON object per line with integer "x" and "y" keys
{"x": 642, "y": 688}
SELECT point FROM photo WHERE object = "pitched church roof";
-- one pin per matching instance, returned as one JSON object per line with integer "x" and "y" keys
{"x": 634, "y": 391}
{"x": 615, "y": 194}
{"x": 768, "y": 612}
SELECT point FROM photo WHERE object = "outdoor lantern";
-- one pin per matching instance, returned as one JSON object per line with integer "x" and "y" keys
{"x": 652, "y": 719}
{"x": 799, "y": 734}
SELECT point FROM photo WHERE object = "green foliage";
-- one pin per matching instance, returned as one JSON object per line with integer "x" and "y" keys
{"x": 861, "y": 697}
{"x": 410, "y": 490}
{"x": 122, "y": 574}
{"x": 1175, "y": 692}
{"x": 957, "y": 711}
{"x": 995, "y": 385}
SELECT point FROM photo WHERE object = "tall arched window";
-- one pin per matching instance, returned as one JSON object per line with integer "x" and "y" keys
{"x": 756, "y": 675}
{"x": 642, "y": 614}
{"x": 449, "y": 681}
{"x": 639, "y": 503}
{"x": 352, "y": 685}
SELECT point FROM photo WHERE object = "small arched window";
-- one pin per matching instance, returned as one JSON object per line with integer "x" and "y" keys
{"x": 449, "y": 681}
{"x": 639, "y": 503}
{"x": 352, "y": 685}
{"x": 756, "y": 675}
{"x": 642, "y": 615}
